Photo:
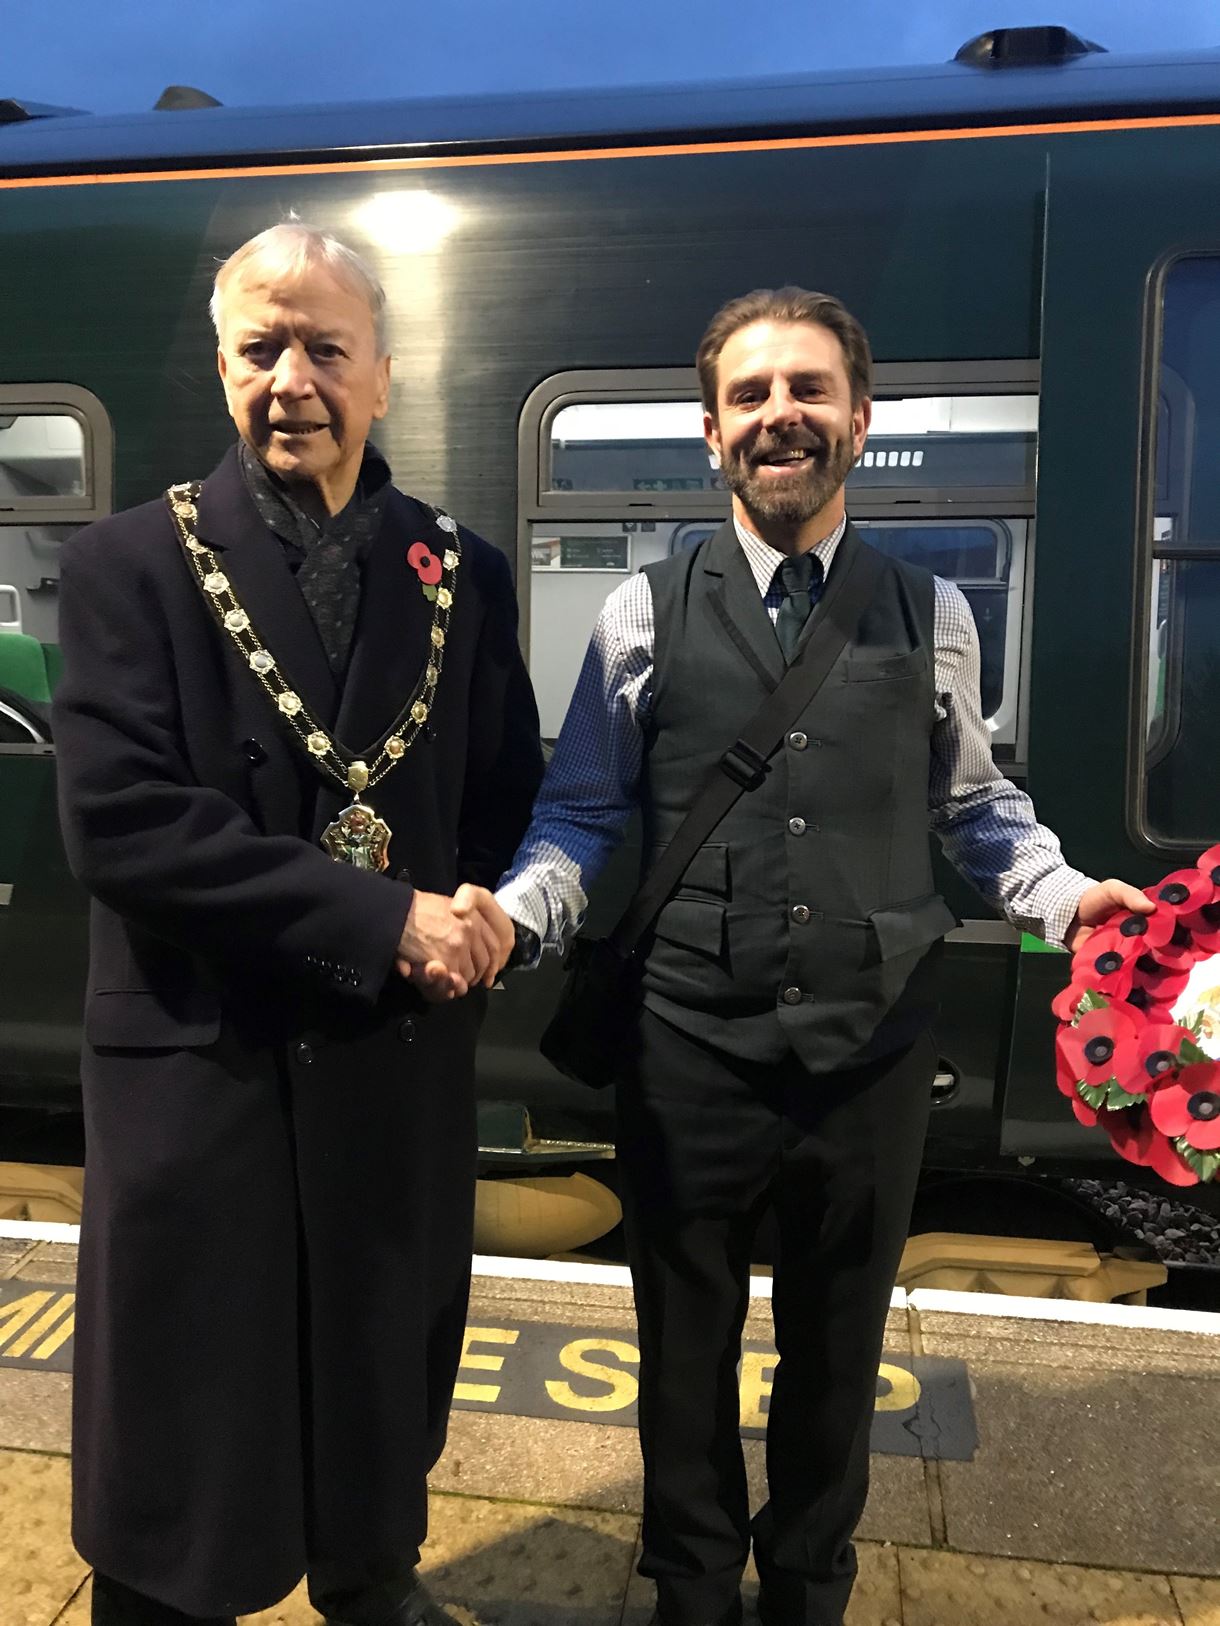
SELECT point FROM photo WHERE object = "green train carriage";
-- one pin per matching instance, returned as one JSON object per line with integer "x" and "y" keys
{"x": 1031, "y": 236}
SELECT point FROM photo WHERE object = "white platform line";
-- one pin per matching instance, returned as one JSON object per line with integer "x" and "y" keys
{"x": 593, "y": 1275}
{"x": 1153, "y": 1318}
{"x": 1150, "y": 1318}
{"x": 39, "y": 1231}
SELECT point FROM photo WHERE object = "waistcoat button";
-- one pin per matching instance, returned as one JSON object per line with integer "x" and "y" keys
{"x": 796, "y": 827}
{"x": 800, "y": 913}
{"x": 797, "y": 740}
{"x": 303, "y": 1053}
{"x": 792, "y": 996}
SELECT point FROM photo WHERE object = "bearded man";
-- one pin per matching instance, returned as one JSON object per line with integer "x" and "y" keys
{"x": 783, "y": 1056}
{"x": 294, "y": 721}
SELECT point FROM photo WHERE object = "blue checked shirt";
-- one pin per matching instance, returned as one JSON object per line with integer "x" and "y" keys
{"x": 986, "y": 826}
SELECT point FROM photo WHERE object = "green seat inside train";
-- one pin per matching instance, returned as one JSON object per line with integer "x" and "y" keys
{"x": 29, "y": 668}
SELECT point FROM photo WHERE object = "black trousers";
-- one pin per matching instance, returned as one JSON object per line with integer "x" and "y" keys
{"x": 706, "y": 1144}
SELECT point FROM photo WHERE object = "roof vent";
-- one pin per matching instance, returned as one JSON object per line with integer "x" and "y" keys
{"x": 1024, "y": 48}
{"x": 183, "y": 99}
{"x": 15, "y": 111}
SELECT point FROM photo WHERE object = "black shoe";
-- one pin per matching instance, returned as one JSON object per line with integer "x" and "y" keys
{"x": 418, "y": 1608}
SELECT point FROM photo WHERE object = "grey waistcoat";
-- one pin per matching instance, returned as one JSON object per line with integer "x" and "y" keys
{"x": 805, "y": 922}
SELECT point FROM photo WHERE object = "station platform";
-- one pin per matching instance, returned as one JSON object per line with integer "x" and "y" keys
{"x": 1035, "y": 1461}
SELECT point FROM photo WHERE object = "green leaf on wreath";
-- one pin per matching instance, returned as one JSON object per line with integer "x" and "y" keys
{"x": 429, "y": 593}
{"x": 1204, "y": 1164}
{"x": 1190, "y": 1054}
{"x": 1093, "y": 1001}
{"x": 1094, "y": 1094}
{"x": 1117, "y": 1097}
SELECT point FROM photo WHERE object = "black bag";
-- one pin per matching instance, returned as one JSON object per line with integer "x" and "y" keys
{"x": 586, "y": 1037}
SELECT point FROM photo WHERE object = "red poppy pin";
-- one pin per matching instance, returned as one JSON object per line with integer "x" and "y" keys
{"x": 427, "y": 566}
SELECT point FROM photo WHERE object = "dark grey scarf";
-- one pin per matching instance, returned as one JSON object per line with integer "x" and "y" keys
{"x": 326, "y": 558}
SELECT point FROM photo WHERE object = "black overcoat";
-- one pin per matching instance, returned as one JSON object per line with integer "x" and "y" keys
{"x": 280, "y": 1135}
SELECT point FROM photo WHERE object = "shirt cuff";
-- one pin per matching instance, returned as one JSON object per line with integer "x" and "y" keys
{"x": 520, "y": 902}
{"x": 1052, "y": 903}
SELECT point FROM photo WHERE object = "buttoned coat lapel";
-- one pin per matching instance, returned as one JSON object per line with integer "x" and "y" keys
{"x": 252, "y": 557}
{"x": 390, "y": 647}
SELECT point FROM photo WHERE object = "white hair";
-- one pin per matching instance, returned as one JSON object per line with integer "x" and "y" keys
{"x": 284, "y": 252}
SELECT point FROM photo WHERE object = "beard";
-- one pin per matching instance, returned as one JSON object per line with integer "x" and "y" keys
{"x": 795, "y": 497}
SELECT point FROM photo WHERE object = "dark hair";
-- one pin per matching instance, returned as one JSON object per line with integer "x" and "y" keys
{"x": 785, "y": 305}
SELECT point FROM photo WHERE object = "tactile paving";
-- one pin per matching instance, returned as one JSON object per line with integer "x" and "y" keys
{"x": 520, "y": 1564}
{"x": 39, "y": 1571}
{"x": 1198, "y": 1601}
{"x": 955, "y": 1589}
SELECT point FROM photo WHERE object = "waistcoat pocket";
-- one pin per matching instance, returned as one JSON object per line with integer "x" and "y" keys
{"x": 903, "y": 927}
{"x": 693, "y": 923}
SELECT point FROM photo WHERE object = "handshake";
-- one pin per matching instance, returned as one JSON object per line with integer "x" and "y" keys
{"x": 450, "y": 945}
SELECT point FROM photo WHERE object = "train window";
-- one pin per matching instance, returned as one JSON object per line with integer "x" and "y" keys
{"x": 921, "y": 442}
{"x": 55, "y": 476}
{"x": 1180, "y": 734}
{"x": 42, "y": 455}
{"x": 614, "y": 473}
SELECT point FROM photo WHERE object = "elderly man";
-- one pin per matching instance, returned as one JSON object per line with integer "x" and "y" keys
{"x": 782, "y": 1056}
{"x": 294, "y": 722}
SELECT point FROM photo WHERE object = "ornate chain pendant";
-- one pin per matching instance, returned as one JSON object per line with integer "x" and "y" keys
{"x": 358, "y": 837}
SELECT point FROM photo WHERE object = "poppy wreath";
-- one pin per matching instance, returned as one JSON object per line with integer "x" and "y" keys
{"x": 1138, "y": 1047}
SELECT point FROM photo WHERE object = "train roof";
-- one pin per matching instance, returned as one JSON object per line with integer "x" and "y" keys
{"x": 1089, "y": 87}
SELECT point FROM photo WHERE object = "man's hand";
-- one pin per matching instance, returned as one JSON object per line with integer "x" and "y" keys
{"x": 1098, "y": 903}
{"x": 449, "y": 945}
{"x": 499, "y": 934}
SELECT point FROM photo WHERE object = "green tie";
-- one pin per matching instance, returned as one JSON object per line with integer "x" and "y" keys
{"x": 801, "y": 580}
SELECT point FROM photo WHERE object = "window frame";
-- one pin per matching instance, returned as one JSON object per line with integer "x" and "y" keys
{"x": 538, "y": 503}
{"x": 1143, "y": 756}
{"x": 97, "y": 452}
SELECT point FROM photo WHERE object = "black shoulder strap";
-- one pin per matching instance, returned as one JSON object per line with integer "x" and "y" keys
{"x": 746, "y": 763}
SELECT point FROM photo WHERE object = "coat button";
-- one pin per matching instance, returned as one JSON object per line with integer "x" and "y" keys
{"x": 303, "y": 1051}
{"x": 253, "y": 753}
{"x": 800, "y": 913}
{"x": 406, "y": 1031}
{"x": 796, "y": 827}
{"x": 792, "y": 996}
{"x": 797, "y": 740}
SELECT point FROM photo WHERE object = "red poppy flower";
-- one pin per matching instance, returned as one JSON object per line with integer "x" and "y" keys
{"x": 1106, "y": 962}
{"x": 1066, "y": 1003}
{"x": 1159, "y": 1045}
{"x": 1183, "y": 892}
{"x": 1103, "y": 1045}
{"x": 1131, "y": 1133}
{"x": 1178, "y": 954}
{"x": 1150, "y": 1007}
{"x": 1209, "y": 866}
{"x": 1161, "y": 983}
{"x": 424, "y": 563}
{"x": 1204, "y": 928}
{"x": 1149, "y": 931}
{"x": 1165, "y": 1160}
{"x": 1065, "y": 1075}
{"x": 1189, "y": 1105}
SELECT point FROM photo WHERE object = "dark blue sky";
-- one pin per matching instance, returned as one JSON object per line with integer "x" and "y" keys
{"x": 118, "y": 55}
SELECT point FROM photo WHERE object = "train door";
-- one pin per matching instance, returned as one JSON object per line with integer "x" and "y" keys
{"x": 1125, "y": 696}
